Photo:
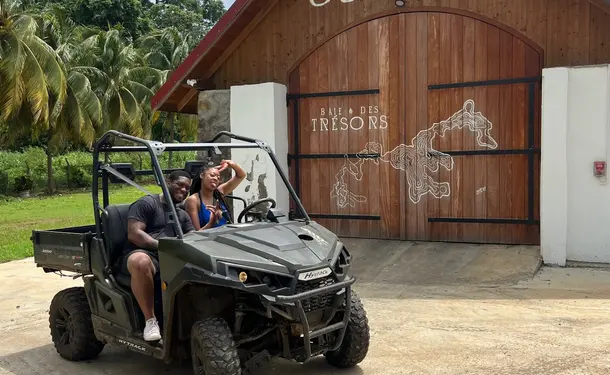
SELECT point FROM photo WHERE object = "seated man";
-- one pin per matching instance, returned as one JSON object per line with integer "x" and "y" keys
{"x": 146, "y": 224}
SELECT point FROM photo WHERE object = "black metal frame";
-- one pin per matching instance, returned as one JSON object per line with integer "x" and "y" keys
{"x": 298, "y": 156}
{"x": 154, "y": 149}
{"x": 341, "y": 326}
{"x": 490, "y": 82}
{"x": 530, "y": 151}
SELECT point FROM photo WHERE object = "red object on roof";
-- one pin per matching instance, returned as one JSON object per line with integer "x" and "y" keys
{"x": 240, "y": 14}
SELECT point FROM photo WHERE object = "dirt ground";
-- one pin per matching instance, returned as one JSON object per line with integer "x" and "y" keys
{"x": 556, "y": 322}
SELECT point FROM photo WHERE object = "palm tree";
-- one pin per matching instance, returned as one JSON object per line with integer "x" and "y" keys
{"x": 165, "y": 50}
{"x": 81, "y": 114}
{"x": 121, "y": 79}
{"x": 71, "y": 114}
{"x": 34, "y": 84}
{"x": 30, "y": 71}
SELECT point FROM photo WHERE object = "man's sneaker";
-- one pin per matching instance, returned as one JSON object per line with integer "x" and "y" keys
{"x": 151, "y": 331}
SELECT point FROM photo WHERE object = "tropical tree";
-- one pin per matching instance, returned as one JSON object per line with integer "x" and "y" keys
{"x": 165, "y": 50}
{"x": 29, "y": 70}
{"x": 34, "y": 84}
{"x": 76, "y": 118}
{"x": 120, "y": 78}
{"x": 194, "y": 17}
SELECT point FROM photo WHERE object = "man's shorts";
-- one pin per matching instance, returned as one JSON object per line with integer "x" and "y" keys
{"x": 152, "y": 256}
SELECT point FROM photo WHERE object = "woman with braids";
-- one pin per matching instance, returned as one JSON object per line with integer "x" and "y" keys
{"x": 206, "y": 205}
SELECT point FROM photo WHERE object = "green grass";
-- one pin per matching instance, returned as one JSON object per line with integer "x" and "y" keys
{"x": 19, "y": 217}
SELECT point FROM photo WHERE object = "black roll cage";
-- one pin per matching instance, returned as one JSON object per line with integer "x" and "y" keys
{"x": 155, "y": 149}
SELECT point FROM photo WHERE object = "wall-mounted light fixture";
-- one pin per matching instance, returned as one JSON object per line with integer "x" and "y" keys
{"x": 400, "y": 3}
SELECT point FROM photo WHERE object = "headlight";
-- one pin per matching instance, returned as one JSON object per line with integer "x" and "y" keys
{"x": 252, "y": 277}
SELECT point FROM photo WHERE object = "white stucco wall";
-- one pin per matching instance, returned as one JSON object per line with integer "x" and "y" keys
{"x": 575, "y": 205}
{"x": 259, "y": 111}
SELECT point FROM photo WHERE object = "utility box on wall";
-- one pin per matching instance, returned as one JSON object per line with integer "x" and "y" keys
{"x": 574, "y": 197}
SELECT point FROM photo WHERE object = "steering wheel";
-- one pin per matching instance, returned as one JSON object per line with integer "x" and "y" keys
{"x": 244, "y": 212}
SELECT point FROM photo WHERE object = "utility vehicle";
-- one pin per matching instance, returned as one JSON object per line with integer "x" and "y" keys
{"x": 230, "y": 298}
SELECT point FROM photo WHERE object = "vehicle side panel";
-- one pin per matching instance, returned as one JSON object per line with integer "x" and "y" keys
{"x": 111, "y": 305}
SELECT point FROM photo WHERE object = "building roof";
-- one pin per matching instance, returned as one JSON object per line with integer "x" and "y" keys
{"x": 176, "y": 95}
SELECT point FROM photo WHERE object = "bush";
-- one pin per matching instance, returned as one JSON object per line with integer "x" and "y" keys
{"x": 23, "y": 183}
{"x": 3, "y": 183}
{"x": 71, "y": 170}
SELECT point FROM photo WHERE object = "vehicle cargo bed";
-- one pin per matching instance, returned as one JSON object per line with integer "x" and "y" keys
{"x": 65, "y": 249}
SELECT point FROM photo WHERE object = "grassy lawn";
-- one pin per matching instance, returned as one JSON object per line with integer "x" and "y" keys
{"x": 19, "y": 217}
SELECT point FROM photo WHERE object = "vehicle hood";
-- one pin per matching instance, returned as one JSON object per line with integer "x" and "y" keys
{"x": 283, "y": 248}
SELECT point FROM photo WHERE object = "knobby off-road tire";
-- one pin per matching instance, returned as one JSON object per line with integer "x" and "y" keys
{"x": 355, "y": 344}
{"x": 71, "y": 327}
{"x": 213, "y": 348}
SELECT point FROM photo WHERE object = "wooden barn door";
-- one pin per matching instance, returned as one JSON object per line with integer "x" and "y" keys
{"x": 420, "y": 126}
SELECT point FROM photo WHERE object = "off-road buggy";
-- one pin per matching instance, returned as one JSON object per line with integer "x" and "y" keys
{"x": 230, "y": 298}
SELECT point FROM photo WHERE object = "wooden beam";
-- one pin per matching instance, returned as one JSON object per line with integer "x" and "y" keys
{"x": 186, "y": 98}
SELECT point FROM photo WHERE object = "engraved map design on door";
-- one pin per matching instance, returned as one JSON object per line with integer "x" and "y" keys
{"x": 417, "y": 158}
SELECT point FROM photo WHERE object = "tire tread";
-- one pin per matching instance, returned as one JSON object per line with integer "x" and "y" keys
{"x": 85, "y": 345}
{"x": 356, "y": 341}
{"x": 216, "y": 340}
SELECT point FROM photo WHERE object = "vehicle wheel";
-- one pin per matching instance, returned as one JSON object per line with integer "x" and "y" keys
{"x": 71, "y": 327}
{"x": 355, "y": 344}
{"x": 213, "y": 349}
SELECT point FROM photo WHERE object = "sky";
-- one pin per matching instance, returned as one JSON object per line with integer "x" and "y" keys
{"x": 228, "y": 3}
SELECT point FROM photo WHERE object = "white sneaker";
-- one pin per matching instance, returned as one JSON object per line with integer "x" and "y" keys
{"x": 152, "y": 331}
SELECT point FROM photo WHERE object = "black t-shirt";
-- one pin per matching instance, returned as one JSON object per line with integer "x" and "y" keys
{"x": 151, "y": 211}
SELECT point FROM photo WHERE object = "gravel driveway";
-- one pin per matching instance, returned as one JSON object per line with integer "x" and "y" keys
{"x": 557, "y": 323}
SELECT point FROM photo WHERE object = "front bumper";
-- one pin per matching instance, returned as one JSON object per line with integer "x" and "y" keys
{"x": 296, "y": 300}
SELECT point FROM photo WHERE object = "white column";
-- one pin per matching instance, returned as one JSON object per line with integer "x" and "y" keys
{"x": 259, "y": 111}
{"x": 588, "y": 209}
{"x": 554, "y": 167}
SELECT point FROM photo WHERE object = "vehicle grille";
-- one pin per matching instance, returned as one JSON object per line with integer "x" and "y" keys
{"x": 318, "y": 302}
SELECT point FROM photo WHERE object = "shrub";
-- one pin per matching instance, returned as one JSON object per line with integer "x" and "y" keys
{"x": 23, "y": 183}
{"x": 4, "y": 183}
{"x": 71, "y": 170}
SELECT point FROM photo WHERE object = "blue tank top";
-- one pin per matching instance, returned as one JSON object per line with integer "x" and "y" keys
{"x": 204, "y": 215}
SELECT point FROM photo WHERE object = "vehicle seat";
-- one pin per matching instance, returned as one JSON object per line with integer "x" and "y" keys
{"x": 115, "y": 236}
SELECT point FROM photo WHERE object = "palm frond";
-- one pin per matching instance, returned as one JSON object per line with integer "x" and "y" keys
{"x": 36, "y": 88}
{"x": 158, "y": 60}
{"x": 95, "y": 75}
{"x": 147, "y": 42}
{"x": 113, "y": 107}
{"x": 93, "y": 107}
{"x": 87, "y": 100}
{"x": 54, "y": 71}
{"x": 139, "y": 91}
{"x": 11, "y": 68}
{"x": 131, "y": 106}
{"x": 23, "y": 25}
{"x": 11, "y": 97}
{"x": 78, "y": 81}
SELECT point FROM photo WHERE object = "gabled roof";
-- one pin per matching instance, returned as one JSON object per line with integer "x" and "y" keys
{"x": 176, "y": 95}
